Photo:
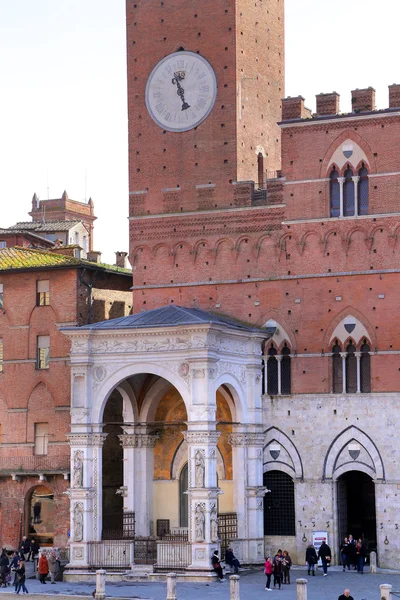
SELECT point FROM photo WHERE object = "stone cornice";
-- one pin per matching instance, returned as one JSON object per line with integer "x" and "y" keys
{"x": 86, "y": 439}
{"x": 138, "y": 440}
{"x": 247, "y": 439}
{"x": 201, "y": 437}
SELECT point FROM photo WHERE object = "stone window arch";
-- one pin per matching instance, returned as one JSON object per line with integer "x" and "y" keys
{"x": 278, "y": 376}
{"x": 334, "y": 192}
{"x": 363, "y": 190}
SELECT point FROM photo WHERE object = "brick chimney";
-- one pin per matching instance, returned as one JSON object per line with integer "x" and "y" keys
{"x": 94, "y": 256}
{"x": 120, "y": 259}
{"x": 394, "y": 95}
{"x": 363, "y": 100}
{"x": 328, "y": 104}
{"x": 293, "y": 108}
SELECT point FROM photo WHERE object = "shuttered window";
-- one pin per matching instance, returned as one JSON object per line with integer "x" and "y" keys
{"x": 43, "y": 351}
{"x": 43, "y": 292}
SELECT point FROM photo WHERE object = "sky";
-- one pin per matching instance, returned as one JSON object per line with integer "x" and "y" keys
{"x": 63, "y": 118}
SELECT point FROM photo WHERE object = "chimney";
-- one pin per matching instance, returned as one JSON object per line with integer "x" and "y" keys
{"x": 120, "y": 259}
{"x": 363, "y": 100}
{"x": 394, "y": 95}
{"x": 328, "y": 104}
{"x": 94, "y": 256}
{"x": 293, "y": 108}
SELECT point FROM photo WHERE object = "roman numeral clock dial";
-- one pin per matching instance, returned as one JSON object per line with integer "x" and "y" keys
{"x": 181, "y": 91}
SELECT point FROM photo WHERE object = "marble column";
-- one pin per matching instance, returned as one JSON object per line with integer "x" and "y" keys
{"x": 341, "y": 190}
{"x": 85, "y": 494}
{"x": 358, "y": 358}
{"x": 344, "y": 374}
{"x": 139, "y": 472}
{"x": 247, "y": 459}
{"x": 203, "y": 495}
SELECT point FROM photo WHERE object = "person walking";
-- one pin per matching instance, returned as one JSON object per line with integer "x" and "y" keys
{"x": 21, "y": 577}
{"x": 352, "y": 552}
{"x": 268, "y": 569}
{"x": 344, "y": 553}
{"x": 217, "y": 565}
{"x": 325, "y": 554}
{"x": 4, "y": 568}
{"x": 286, "y": 564}
{"x": 311, "y": 558}
{"x": 24, "y": 548}
{"x": 360, "y": 554}
{"x": 277, "y": 569}
{"x": 14, "y": 566}
{"x": 53, "y": 565}
{"x": 43, "y": 567}
{"x": 346, "y": 595}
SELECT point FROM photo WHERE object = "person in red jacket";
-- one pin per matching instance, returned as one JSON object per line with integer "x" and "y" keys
{"x": 43, "y": 568}
{"x": 268, "y": 568}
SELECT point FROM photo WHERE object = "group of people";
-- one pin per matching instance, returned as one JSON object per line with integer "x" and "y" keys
{"x": 353, "y": 554}
{"x": 279, "y": 567}
{"x": 324, "y": 553}
{"x": 230, "y": 560}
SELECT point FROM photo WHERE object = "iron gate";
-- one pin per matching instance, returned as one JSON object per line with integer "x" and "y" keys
{"x": 227, "y": 530}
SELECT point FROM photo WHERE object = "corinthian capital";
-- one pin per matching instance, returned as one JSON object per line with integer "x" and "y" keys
{"x": 86, "y": 439}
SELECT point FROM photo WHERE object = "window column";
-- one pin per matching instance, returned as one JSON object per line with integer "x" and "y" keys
{"x": 341, "y": 189}
{"x": 356, "y": 179}
{"x": 344, "y": 355}
{"x": 358, "y": 358}
{"x": 279, "y": 359}
{"x": 265, "y": 360}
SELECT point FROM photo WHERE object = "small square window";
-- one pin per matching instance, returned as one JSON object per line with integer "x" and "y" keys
{"x": 43, "y": 292}
{"x": 43, "y": 352}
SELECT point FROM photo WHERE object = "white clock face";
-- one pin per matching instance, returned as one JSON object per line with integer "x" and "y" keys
{"x": 181, "y": 91}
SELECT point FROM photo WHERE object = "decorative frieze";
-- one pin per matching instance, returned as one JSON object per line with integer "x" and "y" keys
{"x": 201, "y": 437}
{"x": 247, "y": 439}
{"x": 86, "y": 439}
{"x": 138, "y": 440}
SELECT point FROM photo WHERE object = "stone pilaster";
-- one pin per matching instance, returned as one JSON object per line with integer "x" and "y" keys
{"x": 247, "y": 459}
{"x": 203, "y": 496}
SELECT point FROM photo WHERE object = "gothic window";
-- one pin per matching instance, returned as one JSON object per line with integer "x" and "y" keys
{"x": 363, "y": 191}
{"x": 337, "y": 369}
{"x": 285, "y": 371}
{"x": 348, "y": 193}
{"x": 351, "y": 369}
{"x": 260, "y": 165}
{"x": 335, "y": 193}
{"x": 272, "y": 372}
{"x": 279, "y": 511}
{"x": 365, "y": 368}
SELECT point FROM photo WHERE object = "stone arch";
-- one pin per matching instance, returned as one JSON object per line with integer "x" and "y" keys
{"x": 180, "y": 458}
{"x": 334, "y": 326}
{"x": 352, "y": 434}
{"x": 235, "y": 387}
{"x": 273, "y": 434}
{"x": 126, "y": 371}
{"x": 282, "y": 333}
{"x": 151, "y": 400}
{"x": 129, "y": 402}
{"x": 361, "y": 144}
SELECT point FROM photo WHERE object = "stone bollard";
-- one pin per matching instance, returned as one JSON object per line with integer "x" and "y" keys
{"x": 100, "y": 585}
{"x": 386, "y": 591}
{"x": 301, "y": 589}
{"x": 234, "y": 587}
{"x": 171, "y": 586}
{"x": 372, "y": 562}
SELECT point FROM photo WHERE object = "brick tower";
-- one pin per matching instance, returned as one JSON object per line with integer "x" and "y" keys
{"x": 191, "y": 175}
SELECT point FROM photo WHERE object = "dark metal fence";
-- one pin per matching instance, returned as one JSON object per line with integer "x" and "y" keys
{"x": 227, "y": 530}
{"x": 176, "y": 555}
{"x": 119, "y": 526}
{"x": 145, "y": 552}
{"x": 115, "y": 554}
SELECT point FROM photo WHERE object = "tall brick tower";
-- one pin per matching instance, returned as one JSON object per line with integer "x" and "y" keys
{"x": 205, "y": 82}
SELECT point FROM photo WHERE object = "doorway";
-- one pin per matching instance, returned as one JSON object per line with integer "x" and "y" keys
{"x": 356, "y": 508}
{"x": 40, "y": 515}
{"x": 183, "y": 497}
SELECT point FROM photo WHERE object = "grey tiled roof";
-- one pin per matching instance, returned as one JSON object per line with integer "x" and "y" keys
{"x": 170, "y": 316}
{"x": 48, "y": 226}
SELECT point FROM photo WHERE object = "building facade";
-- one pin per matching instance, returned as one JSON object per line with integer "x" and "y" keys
{"x": 292, "y": 230}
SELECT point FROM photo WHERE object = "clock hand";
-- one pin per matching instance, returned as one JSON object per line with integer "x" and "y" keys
{"x": 180, "y": 91}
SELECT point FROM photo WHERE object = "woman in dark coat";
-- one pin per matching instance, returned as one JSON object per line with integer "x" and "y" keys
{"x": 217, "y": 565}
{"x": 311, "y": 558}
{"x": 4, "y": 568}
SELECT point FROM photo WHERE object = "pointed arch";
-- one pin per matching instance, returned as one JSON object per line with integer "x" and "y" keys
{"x": 274, "y": 434}
{"x": 348, "y": 311}
{"x": 351, "y": 136}
{"x": 352, "y": 434}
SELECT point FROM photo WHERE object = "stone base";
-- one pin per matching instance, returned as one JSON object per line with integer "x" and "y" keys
{"x": 130, "y": 576}
{"x": 186, "y": 577}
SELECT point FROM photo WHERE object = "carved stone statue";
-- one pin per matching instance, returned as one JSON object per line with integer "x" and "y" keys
{"x": 77, "y": 480}
{"x": 199, "y": 469}
{"x": 78, "y": 522}
{"x": 200, "y": 523}
{"x": 214, "y": 524}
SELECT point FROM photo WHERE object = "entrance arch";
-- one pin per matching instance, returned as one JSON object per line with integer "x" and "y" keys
{"x": 39, "y": 515}
{"x": 356, "y": 507}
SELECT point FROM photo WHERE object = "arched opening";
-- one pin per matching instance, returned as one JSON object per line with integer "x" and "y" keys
{"x": 356, "y": 507}
{"x": 363, "y": 191}
{"x": 40, "y": 515}
{"x": 348, "y": 193}
{"x": 279, "y": 506}
{"x": 335, "y": 193}
{"x": 183, "y": 497}
{"x": 272, "y": 373}
{"x": 260, "y": 166}
{"x": 113, "y": 477}
{"x": 365, "y": 368}
{"x": 351, "y": 369}
{"x": 337, "y": 369}
{"x": 286, "y": 376}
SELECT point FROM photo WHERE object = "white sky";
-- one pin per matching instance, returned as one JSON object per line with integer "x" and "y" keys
{"x": 63, "y": 119}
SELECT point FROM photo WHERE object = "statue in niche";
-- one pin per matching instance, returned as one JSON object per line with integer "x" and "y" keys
{"x": 214, "y": 524}
{"x": 77, "y": 480}
{"x": 78, "y": 522}
{"x": 199, "y": 469}
{"x": 200, "y": 520}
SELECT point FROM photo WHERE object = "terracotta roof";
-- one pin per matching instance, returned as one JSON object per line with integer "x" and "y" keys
{"x": 27, "y": 258}
{"x": 47, "y": 226}
{"x": 31, "y": 234}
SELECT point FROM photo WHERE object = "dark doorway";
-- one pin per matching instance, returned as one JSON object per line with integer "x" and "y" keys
{"x": 183, "y": 497}
{"x": 113, "y": 477}
{"x": 356, "y": 508}
{"x": 40, "y": 514}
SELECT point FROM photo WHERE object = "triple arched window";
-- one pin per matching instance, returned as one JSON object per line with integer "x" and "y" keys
{"x": 349, "y": 195}
{"x": 351, "y": 368}
{"x": 278, "y": 371}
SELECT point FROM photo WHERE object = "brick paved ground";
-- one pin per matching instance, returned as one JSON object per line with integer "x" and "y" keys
{"x": 252, "y": 587}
